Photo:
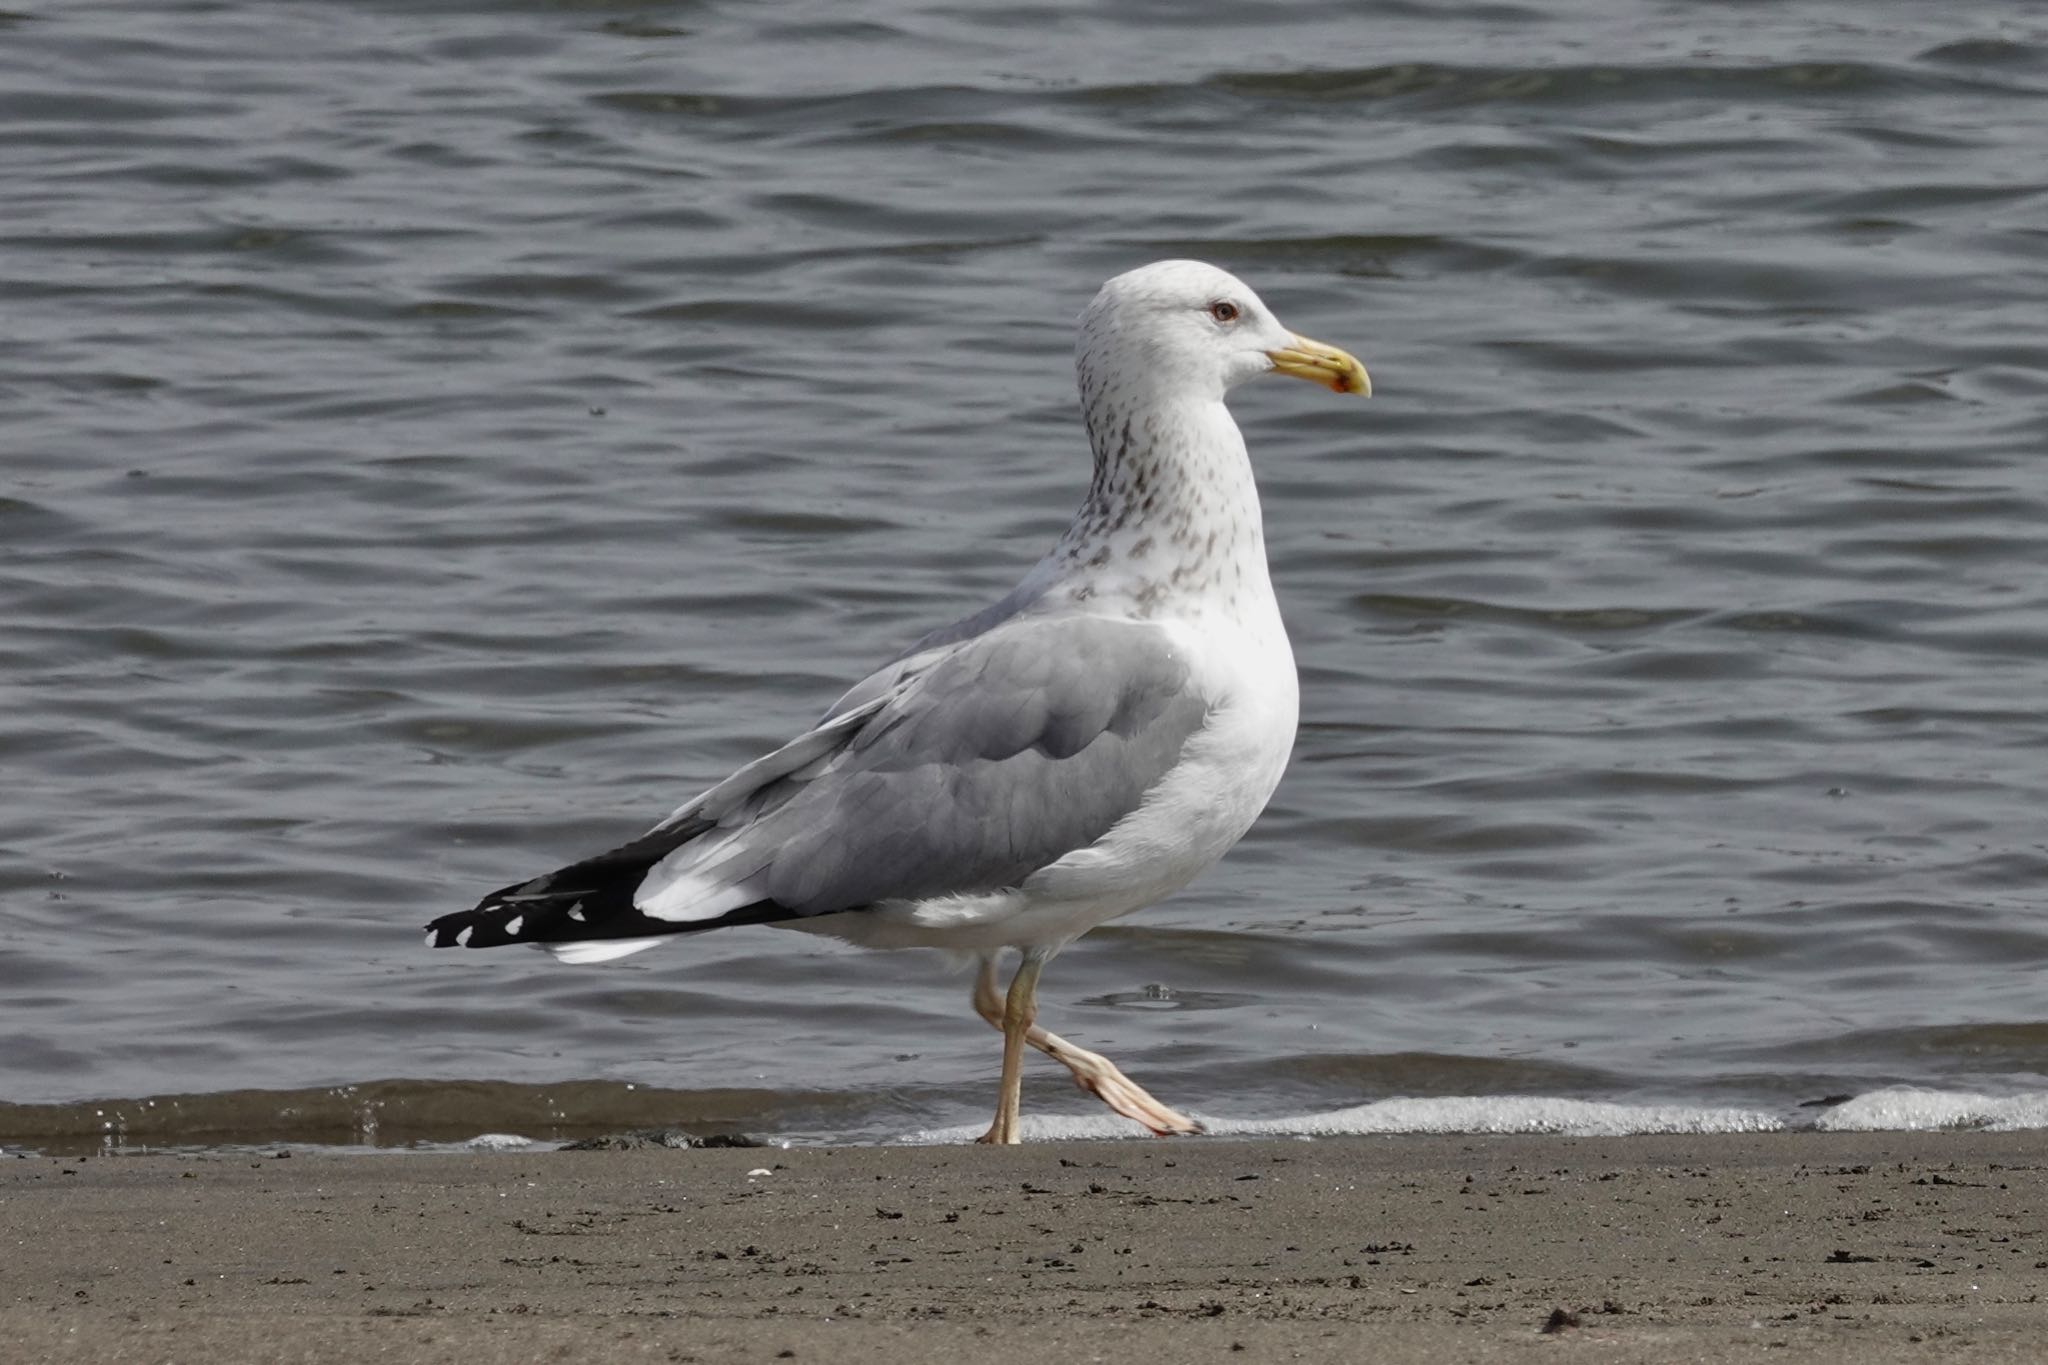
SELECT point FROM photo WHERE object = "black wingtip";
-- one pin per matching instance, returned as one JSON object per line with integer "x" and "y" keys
{"x": 586, "y": 901}
{"x": 453, "y": 931}
{"x": 492, "y": 924}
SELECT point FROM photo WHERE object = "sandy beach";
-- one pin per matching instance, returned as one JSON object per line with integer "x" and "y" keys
{"x": 1798, "y": 1246}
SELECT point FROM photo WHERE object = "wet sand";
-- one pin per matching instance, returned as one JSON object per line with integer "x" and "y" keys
{"x": 1799, "y": 1246}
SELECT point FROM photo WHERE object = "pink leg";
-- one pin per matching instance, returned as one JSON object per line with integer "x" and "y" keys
{"x": 1013, "y": 1016}
{"x": 1093, "y": 1072}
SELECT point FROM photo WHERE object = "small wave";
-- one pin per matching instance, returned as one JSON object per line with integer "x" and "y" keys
{"x": 499, "y": 1142}
{"x": 1908, "y": 1109}
{"x": 1458, "y": 1114}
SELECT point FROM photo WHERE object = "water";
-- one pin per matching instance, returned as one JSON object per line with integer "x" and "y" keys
{"x": 439, "y": 438}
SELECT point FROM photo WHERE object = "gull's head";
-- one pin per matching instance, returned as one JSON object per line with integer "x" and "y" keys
{"x": 1185, "y": 327}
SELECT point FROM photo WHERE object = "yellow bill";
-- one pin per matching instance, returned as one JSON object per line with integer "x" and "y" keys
{"x": 1338, "y": 371}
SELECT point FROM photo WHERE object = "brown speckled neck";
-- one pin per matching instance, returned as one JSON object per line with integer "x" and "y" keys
{"x": 1172, "y": 514}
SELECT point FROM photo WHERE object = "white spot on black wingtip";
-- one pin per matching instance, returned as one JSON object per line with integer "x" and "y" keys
{"x": 576, "y": 912}
{"x": 462, "y": 939}
{"x": 512, "y": 926}
{"x": 433, "y": 938}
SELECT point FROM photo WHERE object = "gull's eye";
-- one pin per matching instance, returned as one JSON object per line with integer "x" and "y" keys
{"x": 1223, "y": 310}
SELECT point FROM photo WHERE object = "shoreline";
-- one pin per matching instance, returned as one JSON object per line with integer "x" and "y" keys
{"x": 450, "y": 1116}
{"x": 1868, "y": 1246}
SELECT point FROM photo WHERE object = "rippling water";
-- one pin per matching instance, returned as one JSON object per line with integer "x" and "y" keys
{"x": 440, "y": 437}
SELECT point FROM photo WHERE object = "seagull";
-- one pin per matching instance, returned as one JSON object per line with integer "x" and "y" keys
{"x": 1081, "y": 749}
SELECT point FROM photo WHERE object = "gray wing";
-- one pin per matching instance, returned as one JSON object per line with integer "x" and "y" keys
{"x": 979, "y": 763}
